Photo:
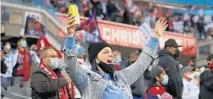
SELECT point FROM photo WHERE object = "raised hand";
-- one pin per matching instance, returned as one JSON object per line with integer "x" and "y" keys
{"x": 70, "y": 24}
{"x": 160, "y": 27}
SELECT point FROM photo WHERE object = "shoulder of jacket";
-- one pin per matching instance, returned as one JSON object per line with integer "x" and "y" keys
{"x": 39, "y": 71}
{"x": 206, "y": 72}
{"x": 166, "y": 57}
{"x": 14, "y": 51}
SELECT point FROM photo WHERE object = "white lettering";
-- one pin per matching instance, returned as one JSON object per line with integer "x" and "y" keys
{"x": 106, "y": 33}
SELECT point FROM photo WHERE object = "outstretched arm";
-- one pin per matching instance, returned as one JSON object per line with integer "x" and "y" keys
{"x": 134, "y": 71}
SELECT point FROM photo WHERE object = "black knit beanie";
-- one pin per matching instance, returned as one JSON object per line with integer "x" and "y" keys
{"x": 95, "y": 48}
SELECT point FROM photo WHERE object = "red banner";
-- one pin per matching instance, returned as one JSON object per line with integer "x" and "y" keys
{"x": 126, "y": 35}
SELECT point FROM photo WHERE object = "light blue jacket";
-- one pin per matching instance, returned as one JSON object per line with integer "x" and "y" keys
{"x": 10, "y": 61}
{"x": 92, "y": 85}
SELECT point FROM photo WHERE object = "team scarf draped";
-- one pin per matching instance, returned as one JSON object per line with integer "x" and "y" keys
{"x": 64, "y": 93}
{"x": 25, "y": 61}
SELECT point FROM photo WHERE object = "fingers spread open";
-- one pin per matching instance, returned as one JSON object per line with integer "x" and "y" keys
{"x": 164, "y": 28}
{"x": 71, "y": 22}
{"x": 69, "y": 15}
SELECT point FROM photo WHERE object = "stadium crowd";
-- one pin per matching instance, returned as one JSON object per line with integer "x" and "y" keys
{"x": 114, "y": 10}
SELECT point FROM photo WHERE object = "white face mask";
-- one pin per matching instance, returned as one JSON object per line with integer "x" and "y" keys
{"x": 117, "y": 60}
{"x": 54, "y": 63}
{"x": 196, "y": 74}
{"x": 191, "y": 76}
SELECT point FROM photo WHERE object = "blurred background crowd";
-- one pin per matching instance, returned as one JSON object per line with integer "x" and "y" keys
{"x": 113, "y": 10}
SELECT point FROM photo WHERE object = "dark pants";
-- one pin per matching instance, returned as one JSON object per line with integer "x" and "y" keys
{"x": 5, "y": 82}
{"x": 137, "y": 97}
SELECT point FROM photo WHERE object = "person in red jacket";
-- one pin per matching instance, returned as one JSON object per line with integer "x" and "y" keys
{"x": 160, "y": 79}
{"x": 21, "y": 70}
{"x": 24, "y": 68}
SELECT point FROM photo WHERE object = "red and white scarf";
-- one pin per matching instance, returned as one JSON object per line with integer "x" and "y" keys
{"x": 24, "y": 60}
{"x": 64, "y": 93}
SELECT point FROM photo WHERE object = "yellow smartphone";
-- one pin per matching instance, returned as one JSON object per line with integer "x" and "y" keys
{"x": 73, "y": 9}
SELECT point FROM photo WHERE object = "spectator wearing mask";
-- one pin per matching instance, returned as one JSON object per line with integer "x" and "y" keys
{"x": 34, "y": 55}
{"x": 23, "y": 60}
{"x": 21, "y": 70}
{"x": 50, "y": 80}
{"x": 82, "y": 58}
{"x": 9, "y": 60}
{"x": 176, "y": 56}
{"x": 167, "y": 61}
{"x": 103, "y": 82}
{"x": 197, "y": 73}
{"x": 190, "y": 88}
{"x": 34, "y": 58}
{"x": 84, "y": 63}
{"x": 159, "y": 79}
{"x": 206, "y": 81}
{"x": 117, "y": 60}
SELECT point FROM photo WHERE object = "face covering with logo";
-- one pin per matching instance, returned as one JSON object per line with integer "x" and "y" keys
{"x": 54, "y": 63}
{"x": 165, "y": 80}
{"x": 23, "y": 43}
{"x": 107, "y": 68}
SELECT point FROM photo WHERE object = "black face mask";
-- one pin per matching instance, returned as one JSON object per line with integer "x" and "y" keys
{"x": 107, "y": 68}
{"x": 177, "y": 54}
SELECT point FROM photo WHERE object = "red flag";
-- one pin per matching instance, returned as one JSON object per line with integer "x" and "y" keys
{"x": 43, "y": 42}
